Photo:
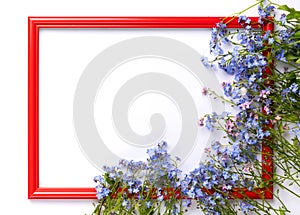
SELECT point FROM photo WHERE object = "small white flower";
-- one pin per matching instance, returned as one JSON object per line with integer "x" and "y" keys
{"x": 278, "y": 117}
{"x": 243, "y": 91}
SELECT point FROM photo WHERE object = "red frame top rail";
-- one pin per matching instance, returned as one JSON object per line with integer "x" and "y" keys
{"x": 134, "y": 22}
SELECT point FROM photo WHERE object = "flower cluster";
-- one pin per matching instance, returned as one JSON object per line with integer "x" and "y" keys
{"x": 137, "y": 187}
{"x": 265, "y": 89}
{"x": 265, "y": 92}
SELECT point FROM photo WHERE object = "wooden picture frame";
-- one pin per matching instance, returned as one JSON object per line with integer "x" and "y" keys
{"x": 37, "y": 23}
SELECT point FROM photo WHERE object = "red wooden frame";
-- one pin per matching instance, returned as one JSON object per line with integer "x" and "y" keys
{"x": 34, "y": 25}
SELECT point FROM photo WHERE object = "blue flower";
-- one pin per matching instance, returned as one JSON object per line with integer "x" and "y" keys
{"x": 191, "y": 193}
{"x": 212, "y": 202}
{"x": 246, "y": 207}
{"x": 99, "y": 179}
{"x": 294, "y": 88}
{"x": 228, "y": 89}
{"x": 285, "y": 35}
{"x": 160, "y": 197}
{"x": 135, "y": 190}
{"x": 209, "y": 123}
{"x": 207, "y": 184}
{"x": 260, "y": 134}
{"x": 186, "y": 202}
{"x": 216, "y": 146}
{"x": 226, "y": 175}
{"x": 266, "y": 35}
{"x": 124, "y": 203}
{"x": 262, "y": 12}
{"x": 175, "y": 210}
{"x": 281, "y": 55}
{"x": 244, "y": 19}
{"x": 102, "y": 192}
{"x": 148, "y": 204}
{"x": 199, "y": 193}
{"x": 293, "y": 100}
{"x": 282, "y": 18}
{"x": 265, "y": 12}
{"x": 217, "y": 50}
{"x": 205, "y": 62}
{"x": 271, "y": 40}
{"x": 235, "y": 177}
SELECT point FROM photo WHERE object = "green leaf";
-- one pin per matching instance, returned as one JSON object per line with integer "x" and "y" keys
{"x": 290, "y": 16}
{"x": 285, "y": 8}
{"x": 298, "y": 61}
{"x": 262, "y": 185}
{"x": 292, "y": 76}
{"x": 108, "y": 179}
{"x": 297, "y": 34}
{"x": 297, "y": 14}
{"x": 293, "y": 15}
{"x": 281, "y": 211}
{"x": 295, "y": 142}
{"x": 277, "y": 40}
{"x": 291, "y": 57}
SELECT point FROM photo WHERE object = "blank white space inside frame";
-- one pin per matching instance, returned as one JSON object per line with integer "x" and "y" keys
{"x": 65, "y": 54}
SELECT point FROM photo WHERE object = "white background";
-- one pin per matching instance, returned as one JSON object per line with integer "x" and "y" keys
{"x": 13, "y": 83}
{"x": 60, "y": 72}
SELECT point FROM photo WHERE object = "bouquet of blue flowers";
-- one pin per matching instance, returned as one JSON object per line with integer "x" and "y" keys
{"x": 265, "y": 91}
